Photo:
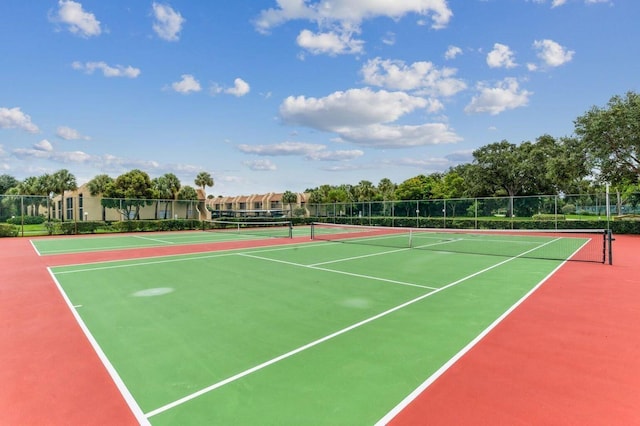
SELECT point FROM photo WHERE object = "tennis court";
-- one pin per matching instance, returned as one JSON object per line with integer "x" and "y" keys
{"x": 218, "y": 231}
{"x": 318, "y": 332}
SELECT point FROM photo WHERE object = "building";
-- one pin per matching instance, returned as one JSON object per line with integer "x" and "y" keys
{"x": 257, "y": 205}
{"x": 80, "y": 205}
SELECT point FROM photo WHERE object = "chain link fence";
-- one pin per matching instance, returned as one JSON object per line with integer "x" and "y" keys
{"x": 95, "y": 214}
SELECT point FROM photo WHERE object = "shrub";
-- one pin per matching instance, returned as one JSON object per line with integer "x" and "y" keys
{"x": 28, "y": 220}
{"x": 8, "y": 230}
{"x": 569, "y": 209}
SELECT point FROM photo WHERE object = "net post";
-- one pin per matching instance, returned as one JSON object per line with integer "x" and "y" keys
{"x": 410, "y": 238}
{"x": 290, "y": 229}
{"x": 610, "y": 240}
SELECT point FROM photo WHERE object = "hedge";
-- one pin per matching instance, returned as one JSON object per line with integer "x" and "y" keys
{"x": 8, "y": 230}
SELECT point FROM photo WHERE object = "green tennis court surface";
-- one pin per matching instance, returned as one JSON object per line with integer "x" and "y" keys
{"x": 60, "y": 245}
{"x": 316, "y": 333}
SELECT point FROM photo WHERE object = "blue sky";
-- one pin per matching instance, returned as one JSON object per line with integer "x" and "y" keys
{"x": 276, "y": 95}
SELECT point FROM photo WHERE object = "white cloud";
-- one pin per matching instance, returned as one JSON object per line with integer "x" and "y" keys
{"x": 494, "y": 100}
{"x": 361, "y": 116}
{"x": 43, "y": 145}
{"x": 69, "y": 134}
{"x": 556, "y": 3}
{"x": 384, "y": 136}
{"x": 261, "y": 165}
{"x": 331, "y": 43}
{"x": 355, "y": 107}
{"x": 11, "y": 118}
{"x": 168, "y": 23}
{"x": 107, "y": 70}
{"x": 552, "y": 53}
{"x": 501, "y": 57}
{"x": 349, "y": 12}
{"x": 421, "y": 76}
{"x": 339, "y": 155}
{"x": 79, "y": 22}
{"x": 283, "y": 148}
{"x": 239, "y": 89}
{"x": 187, "y": 85}
{"x": 306, "y": 150}
{"x": 44, "y": 150}
{"x": 452, "y": 52}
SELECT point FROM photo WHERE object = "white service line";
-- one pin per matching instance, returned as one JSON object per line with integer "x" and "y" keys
{"x": 338, "y": 272}
{"x": 153, "y": 239}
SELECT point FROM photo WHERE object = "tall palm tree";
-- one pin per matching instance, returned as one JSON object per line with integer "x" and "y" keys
{"x": 64, "y": 181}
{"x": 167, "y": 187}
{"x": 365, "y": 190}
{"x": 289, "y": 198}
{"x": 203, "y": 180}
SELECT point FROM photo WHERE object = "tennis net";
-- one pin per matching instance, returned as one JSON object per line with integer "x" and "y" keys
{"x": 260, "y": 228}
{"x": 590, "y": 245}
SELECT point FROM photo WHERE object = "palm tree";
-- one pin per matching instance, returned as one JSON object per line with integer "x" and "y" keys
{"x": 166, "y": 187}
{"x": 203, "y": 180}
{"x": 365, "y": 190}
{"x": 97, "y": 186}
{"x": 28, "y": 187}
{"x": 63, "y": 181}
{"x": 315, "y": 198}
{"x": 188, "y": 193}
{"x": 288, "y": 198}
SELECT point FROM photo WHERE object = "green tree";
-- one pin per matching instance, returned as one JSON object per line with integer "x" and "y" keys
{"x": 7, "y": 182}
{"x": 129, "y": 192}
{"x": 365, "y": 191}
{"x": 63, "y": 180}
{"x": 166, "y": 188}
{"x": 415, "y": 188}
{"x": 611, "y": 137}
{"x": 386, "y": 189}
{"x": 97, "y": 187}
{"x": 289, "y": 198}
{"x": 188, "y": 195}
{"x": 203, "y": 180}
{"x": 567, "y": 166}
{"x": 315, "y": 199}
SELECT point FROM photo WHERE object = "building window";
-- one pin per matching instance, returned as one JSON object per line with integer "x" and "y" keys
{"x": 69, "y": 208}
{"x": 257, "y": 205}
{"x": 60, "y": 209}
{"x": 80, "y": 206}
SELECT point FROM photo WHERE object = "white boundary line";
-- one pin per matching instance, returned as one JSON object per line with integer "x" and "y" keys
{"x": 413, "y": 395}
{"x": 124, "y": 391}
{"x": 321, "y": 340}
{"x": 35, "y": 248}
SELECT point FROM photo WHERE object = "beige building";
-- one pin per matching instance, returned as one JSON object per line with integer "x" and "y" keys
{"x": 257, "y": 205}
{"x": 80, "y": 205}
